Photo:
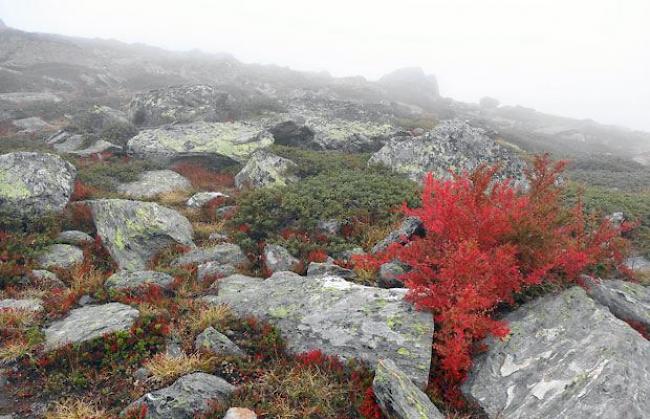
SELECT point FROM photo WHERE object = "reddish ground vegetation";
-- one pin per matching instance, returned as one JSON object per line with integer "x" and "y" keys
{"x": 317, "y": 255}
{"x": 486, "y": 243}
{"x": 639, "y": 327}
{"x": 204, "y": 179}
{"x": 82, "y": 191}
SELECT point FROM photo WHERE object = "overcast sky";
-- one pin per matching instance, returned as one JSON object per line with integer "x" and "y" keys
{"x": 580, "y": 58}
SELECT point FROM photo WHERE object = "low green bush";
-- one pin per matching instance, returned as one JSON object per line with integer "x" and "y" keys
{"x": 311, "y": 162}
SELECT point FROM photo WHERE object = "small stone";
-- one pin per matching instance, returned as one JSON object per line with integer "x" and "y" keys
{"x": 626, "y": 300}
{"x": 225, "y": 253}
{"x": 62, "y": 256}
{"x": 226, "y": 211}
{"x": 27, "y": 304}
{"x": 398, "y": 397}
{"x": 85, "y": 300}
{"x": 240, "y": 413}
{"x": 156, "y": 182}
{"x": 331, "y": 227}
{"x": 87, "y": 323}
{"x": 45, "y": 279}
{"x": 389, "y": 274}
{"x": 210, "y": 340}
{"x": 218, "y": 237}
{"x": 328, "y": 268}
{"x": 125, "y": 280}
{"x": 199, "y": 199}
{"x": 409, "y": 227}
{"x": 215, "y": 270}
{"x": 173, "y": 346}
{"x": 141, "y": 374}
{"x": 74, "y": 237}
{"x": 187, "y": 397}
{"x": 277, "y": 258}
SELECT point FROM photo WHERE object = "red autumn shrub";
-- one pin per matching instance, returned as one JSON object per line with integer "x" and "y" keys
{"x": 485, "y": 243}
{"x": 82, "y": 191}
{"x": 318, "y": 256}
{"x": 204, "y": 179}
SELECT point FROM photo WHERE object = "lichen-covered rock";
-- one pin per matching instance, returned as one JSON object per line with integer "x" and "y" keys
{"x": 214, "y": 270}
{"x": 409, "y": 227}
{"x": 27, "y": 304}
{"x": 125, "y": 280}
{"x": 134, "y": 231}
{"x": 155, "y": 182}
{"x": 34, "y": 184}
{"x": 62, "y": 256}
{"x": 327, "y": 268}
{"x": 32, "y": 125}
{"x": 187, "y": 397}
{"x": 222, "y": 141}
{"x": 452, "y": 145}
{"x": 398, "y": 397}
{"x": 336, "y": 316}
{"x": 349, "y": 135}
{"x": 266, "y": 169}
{"x": 277, "y": 258}
{"x": 626, "y": 300}
{"x": 199, "y": 199}
{"x": 99, "y": 118}
{"x": 566, "y": 357}
{"x": 225, "y": 253}
{"x": 81, "y": 145}
{"x": 182, "y": 104}
{"x": 90, "y": 322}
{"x": 74, "y": 237}
{"x": 210, "y": 340}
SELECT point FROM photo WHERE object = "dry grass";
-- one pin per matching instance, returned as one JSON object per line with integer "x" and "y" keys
{"x": 373, "y": 234}
{"x": 174, "y": 198}
{"x": 165, "y": 368}
{"x": 643, "y": 278}
{"x": 75, "y": 409}
{"x": 17, "y": 319}
{"x": 210, "y": 316}
{"x": 86, "y": 281}
{"x": 365, "y": 276}
{"x": 14, "y": 350}
{"x": 202, "y": 230}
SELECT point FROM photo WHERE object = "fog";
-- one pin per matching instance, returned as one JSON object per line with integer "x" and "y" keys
{"x": 579, "y": 58}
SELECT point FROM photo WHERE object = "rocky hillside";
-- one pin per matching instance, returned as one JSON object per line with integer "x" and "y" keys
{"x": 183, "y": 235}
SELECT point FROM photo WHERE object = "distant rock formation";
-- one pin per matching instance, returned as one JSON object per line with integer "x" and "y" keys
{"x": 412, "y": 85}
{"x": 3, "y": 26}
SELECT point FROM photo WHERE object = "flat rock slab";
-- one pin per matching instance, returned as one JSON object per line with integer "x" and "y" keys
{"x": 155, "y": 182}
{"x": 90, "y": 322}
{"x": 266, "y": 169}
{"x": 626, "y": 300}
{"x": 277, "y": 258}
{"x": 199, "y": 199}
{"x": 187, "y": 397}
{"x": 398, "y": 397}
{"x": 34, "y": 184}
{"x": 125, "y": 280}
{"x": 27, "y": 304}
{"x": 336, "y": 316}
{"x": 74, "y": 237}
{"x": 231, "y": 140}
{"x": 62, "y": 256}
{"x": 566, "y": 357}
{"x": 211, "y": 340}
{"x": 225, "y": 253}
{"x": 134, "y": 231}
{"x": 327, "y": 268}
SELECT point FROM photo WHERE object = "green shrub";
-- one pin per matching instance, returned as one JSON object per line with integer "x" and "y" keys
{"x": 312, "y": 162}
{"x": 352, "y": 196}
{"x": 106, "y": 174}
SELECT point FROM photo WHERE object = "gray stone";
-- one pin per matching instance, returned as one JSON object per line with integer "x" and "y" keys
{"x": 218, "y": 237}
{"x": 125, "y": 280}
{"x": 34, "y": 184}
{"x": 134, "y": 231}
{"x": 348, "y": 255}
{"x": 224, "y": 253}
{"x": 398, "y": 397}
{"x": 87, "y": 323}
{"x": 240, "y": 413}
{"x": 182, "y": 104}
{"x": 389, "y": 275}
{"x": 266, "y": 169}
{"x": 409, "y": 227}
{"x": 27, "y": 304}
{"x": 277, "y": 258}
{"x": 566, "y": 357}
{"x": 156, "y": 182}
{"x": 199, "y": 199}
{"x": 66, "y": 142}
{"x": 186, "y": 397}
{"x": 210, "y": 340}
{"x": 336, "y": 316}
{"x": 639, "y": 264}
{"x": 626, "y": 300}
{"x": 327, "y": 268}
{"x": 173, "y": 346}
{"x": 452, "y": 145}
{"x": 85, "y": 300}
{"x": 99, "y": 118}
{"x": 226, "y": 141}
{"x": 97, "y": 147}
{"x": 214, "y": 270}
{"x": 32, "y": 124}
{"x": 226, "y": 211}
{"x": 141, "y": 374}
{"x": 62, "y": 256}
{"x": 73, "y": 237}
{"x": 331, "y": 227}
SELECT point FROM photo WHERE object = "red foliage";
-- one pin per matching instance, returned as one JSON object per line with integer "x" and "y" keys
{"x": 203, "y": 178}
{"x": 318, "y": 256}
{"x": 485, "y": 242}
{"x": 82, "y": 191}
{"x": 369, "y": 409}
